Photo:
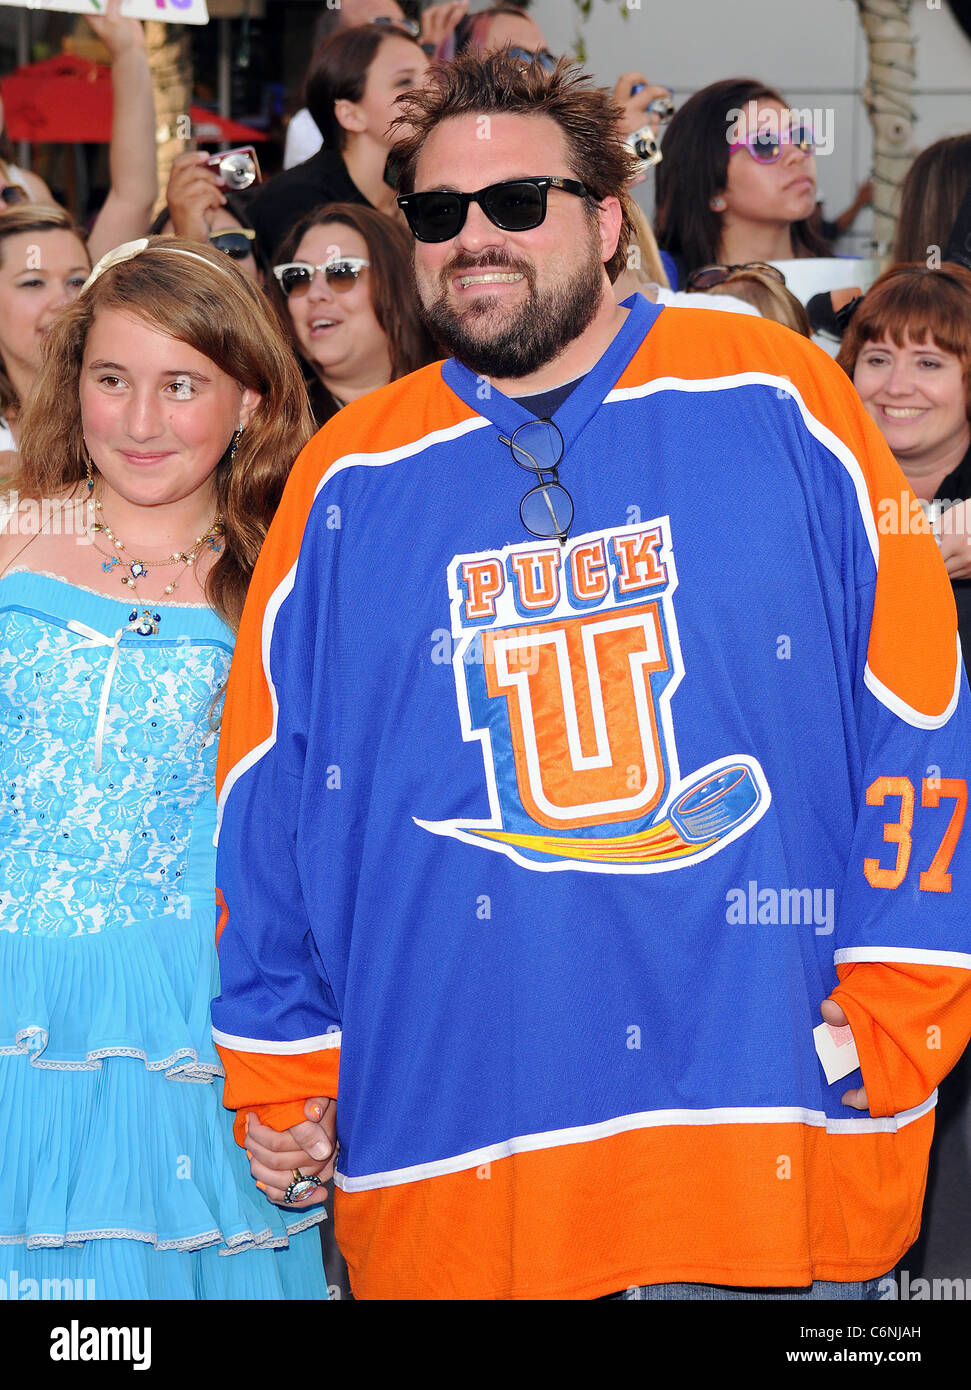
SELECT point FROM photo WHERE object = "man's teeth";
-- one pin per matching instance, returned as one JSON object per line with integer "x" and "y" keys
{"x": 899, "y": 412}
{"x": 491, "y": 277}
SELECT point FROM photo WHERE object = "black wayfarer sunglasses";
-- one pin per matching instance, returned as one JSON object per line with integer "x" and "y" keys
{"x": 514, "y": 206}
{"x": 237, "y": 242}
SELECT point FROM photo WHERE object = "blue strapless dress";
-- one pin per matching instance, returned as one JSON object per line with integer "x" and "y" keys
{"x": 118, "y": 1168}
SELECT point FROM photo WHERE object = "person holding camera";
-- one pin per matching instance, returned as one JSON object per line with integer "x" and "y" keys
{"x": 200, "y": 207}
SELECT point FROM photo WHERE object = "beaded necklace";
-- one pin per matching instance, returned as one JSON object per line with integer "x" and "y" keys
{"x": 142, "y": 619}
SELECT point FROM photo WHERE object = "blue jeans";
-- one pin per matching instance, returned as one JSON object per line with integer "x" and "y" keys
{"x": 864, "y": 1289}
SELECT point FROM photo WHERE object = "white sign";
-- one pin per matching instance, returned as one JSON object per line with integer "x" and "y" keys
{"x": 169, "y": 11}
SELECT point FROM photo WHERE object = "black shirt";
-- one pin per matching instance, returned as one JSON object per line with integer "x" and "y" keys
{"x": 279, "y": 204}
{"x": 956, "y": 487}
{"x": 545, "y": 404}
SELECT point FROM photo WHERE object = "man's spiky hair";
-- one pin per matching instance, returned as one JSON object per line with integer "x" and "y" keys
{"x": 497, "y": 84}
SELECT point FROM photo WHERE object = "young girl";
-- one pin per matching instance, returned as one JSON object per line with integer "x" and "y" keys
{"x": 153, "y": 453}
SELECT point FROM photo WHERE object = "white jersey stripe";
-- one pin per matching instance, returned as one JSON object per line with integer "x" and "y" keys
{"x": 622, "y": 1124}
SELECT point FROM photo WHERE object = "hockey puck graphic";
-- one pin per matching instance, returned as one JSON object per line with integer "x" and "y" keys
{"x": 715, "y": 805}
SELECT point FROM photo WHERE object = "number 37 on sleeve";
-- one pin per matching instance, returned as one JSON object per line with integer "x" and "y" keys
{"x": 935, "y": 878}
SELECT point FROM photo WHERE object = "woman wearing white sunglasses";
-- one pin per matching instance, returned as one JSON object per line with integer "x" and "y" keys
{"x": 342, "y": 289}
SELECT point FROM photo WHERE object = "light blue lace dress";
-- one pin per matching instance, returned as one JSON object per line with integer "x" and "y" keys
{"x": 118, "y": 1169}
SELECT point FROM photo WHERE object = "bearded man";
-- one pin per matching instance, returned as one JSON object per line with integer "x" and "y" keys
{"x": 593, "y": 775}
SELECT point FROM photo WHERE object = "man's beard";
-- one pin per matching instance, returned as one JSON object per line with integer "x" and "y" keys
{"x": 525, "y": 337}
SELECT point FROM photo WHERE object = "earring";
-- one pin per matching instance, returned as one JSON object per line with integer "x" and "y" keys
{"x": 88, "y": 468}
{"x": 717, "y": 204}
{"x": 237, "y": 436}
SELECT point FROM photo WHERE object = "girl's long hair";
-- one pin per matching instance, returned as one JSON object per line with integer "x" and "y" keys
{"x": 226, "y": 317}
{"x": 930, "y": 196}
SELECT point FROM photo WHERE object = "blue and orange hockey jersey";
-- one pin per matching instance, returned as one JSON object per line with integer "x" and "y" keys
{"x": 541, "y": 858}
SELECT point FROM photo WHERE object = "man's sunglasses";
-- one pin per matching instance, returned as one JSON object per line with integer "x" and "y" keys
{"x": 542, "y": 56}
{"x": 237, "y": 244}
{"x": 766, "y": 146}
{"x": 707, "y": 276}
{"x": 515, "y": 206}
{"x": 341, "y": 274}
{"x": 547, "y": 508}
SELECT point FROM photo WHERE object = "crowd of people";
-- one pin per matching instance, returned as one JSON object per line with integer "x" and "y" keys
{"x": 419, "y": 428}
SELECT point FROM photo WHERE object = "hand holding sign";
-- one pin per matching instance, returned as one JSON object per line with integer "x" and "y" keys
{"x": 116, "y": 33}
{"x": 169, "y": 11}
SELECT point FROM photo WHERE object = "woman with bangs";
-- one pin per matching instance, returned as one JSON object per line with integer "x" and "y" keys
{"x": 154, "y": 450}
{"x": 341, "y": 288}
{"x": 908, "y": 351}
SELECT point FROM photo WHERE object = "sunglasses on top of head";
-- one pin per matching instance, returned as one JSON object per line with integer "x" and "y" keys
{"x": 766, "y": 146}
{"x": 411, "y": 27}
{"x": 517, "y": 205}
{"x": 707, "y": 276}
{"x": 542, "y": 56}
{"x": 341, "y": 274}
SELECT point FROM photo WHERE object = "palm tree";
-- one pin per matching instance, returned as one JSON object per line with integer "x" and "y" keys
{"x": 888, "y": 97}
{"x": 170, "y": 62}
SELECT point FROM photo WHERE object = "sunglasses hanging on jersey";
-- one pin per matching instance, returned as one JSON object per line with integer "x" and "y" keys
{"x": 547, "y": 509}
{"x": 517, "y": 205}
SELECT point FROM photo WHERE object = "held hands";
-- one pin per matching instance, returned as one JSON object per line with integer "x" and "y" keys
{"x": 308, "y": 1147}
{"x": 836, "y": 1018}
{"x": 118, "y": 35}
{"x": 192, "y": 192}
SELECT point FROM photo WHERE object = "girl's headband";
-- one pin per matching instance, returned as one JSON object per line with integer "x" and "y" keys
{"x": 129, "y": 249}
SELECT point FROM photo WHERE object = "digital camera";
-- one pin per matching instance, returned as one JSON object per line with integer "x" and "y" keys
{"x": 236, "y": 169}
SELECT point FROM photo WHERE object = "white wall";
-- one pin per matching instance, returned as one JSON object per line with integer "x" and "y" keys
{"x": 813, "y": 51}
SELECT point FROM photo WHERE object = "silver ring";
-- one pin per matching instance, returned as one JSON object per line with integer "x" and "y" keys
{"x": 301, "y": 1186}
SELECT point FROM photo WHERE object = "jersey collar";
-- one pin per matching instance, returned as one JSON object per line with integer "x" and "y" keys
{"x": 582, "y": 403}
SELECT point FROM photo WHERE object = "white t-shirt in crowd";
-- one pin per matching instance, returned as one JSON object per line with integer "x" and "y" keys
{"x": 680, "y": 300}
{"x": 303, "y": 138}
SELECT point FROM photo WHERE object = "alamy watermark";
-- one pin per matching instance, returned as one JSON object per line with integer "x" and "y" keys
{"x": 780, "y": 125}
{"x": 52, "y": 516}
{"x": 754, "y": 906}
{"x": 17, "y": 1288}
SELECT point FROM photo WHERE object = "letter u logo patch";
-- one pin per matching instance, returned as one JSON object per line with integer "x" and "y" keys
{"x": 582, "y": 714}
{"x": 572, "y": 708}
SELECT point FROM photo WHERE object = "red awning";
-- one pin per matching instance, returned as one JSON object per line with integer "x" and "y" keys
{"x": 69, "y": 100}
